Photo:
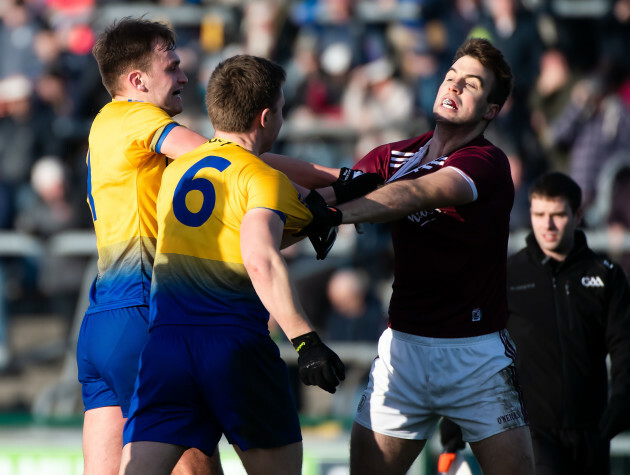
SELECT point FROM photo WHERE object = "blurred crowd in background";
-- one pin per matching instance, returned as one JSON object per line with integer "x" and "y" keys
{"x": 360, "y": 73}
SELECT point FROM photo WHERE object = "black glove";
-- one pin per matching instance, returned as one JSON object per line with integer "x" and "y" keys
{"x": 318, "y": 365}
{"x": 451, "y": 436}
{"x": 321, "y": 231}
{"x": 354, "y": 183}
{"x": 323, "y": 242}
{"x": 324, "y": 216}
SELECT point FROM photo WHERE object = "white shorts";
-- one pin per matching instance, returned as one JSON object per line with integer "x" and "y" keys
{"x": 416, "y": 380}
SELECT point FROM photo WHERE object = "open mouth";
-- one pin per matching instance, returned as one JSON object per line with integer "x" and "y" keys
{"x": 177, "y": 93}
{"x": 449, "y": 104}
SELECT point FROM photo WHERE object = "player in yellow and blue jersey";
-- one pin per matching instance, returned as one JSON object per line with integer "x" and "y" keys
{"x": 129, "y": 143}
{"x": 210, "y": 367}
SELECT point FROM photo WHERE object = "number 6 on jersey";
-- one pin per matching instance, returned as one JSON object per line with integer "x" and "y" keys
{"x": 189, "y": 183}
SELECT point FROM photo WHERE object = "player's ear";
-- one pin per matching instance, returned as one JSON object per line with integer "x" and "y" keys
{"x": 136, "y": 80}
{"x": 264, "y": 117}
{"x": 491, "y": 112}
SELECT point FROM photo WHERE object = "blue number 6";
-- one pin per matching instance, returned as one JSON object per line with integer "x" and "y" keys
{"x": 188, "y": 183}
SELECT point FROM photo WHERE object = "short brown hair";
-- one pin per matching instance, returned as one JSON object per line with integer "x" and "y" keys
{"x": 239, "y": 88}
{"x": 557, "y": 185}
{"x": 491, "y": 58}
{"x": 129, "y": 44}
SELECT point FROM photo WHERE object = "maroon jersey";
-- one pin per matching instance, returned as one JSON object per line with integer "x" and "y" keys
{"x": 450, "y": 263}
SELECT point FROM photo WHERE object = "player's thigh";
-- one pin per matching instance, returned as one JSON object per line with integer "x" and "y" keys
{"x": 285, "y": 460}
{"x": 155, "y": 458}
{"x": 374, "y": 453}
{"x": 102, "y": 440}
{"x": 507, "y": 452}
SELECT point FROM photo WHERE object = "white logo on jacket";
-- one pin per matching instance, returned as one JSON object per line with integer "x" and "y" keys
{"x": 592, "y": 281}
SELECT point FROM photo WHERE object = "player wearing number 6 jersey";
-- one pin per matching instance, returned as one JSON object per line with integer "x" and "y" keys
{"x": 210, "y": 367}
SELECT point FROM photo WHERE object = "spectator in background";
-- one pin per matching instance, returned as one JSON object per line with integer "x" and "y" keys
{"x": 375, "y": 99}
{"x": 618, "y": 219}
{"x": 25, "y": 132}
{"x": 547, "y": 99}
{"x": 568, "y": 309}
{"x": 18, "y": 28}
{"x": 319, "y": 97}
{"x": 614, "y": 34}
{"x": 513, "y": 29}
{"x": 52, "y": 206}
{"x": 355, "y": 314}
{"x": 594, "y": 125}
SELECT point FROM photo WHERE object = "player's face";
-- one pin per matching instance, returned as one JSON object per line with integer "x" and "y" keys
{"x": 553, "y": 223}
{"x": 273, "y": 124}
{"x": 165, "y": 81}
{"x": 462, "y": 98}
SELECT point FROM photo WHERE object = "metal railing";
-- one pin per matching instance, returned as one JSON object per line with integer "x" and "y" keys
{"x": 61, "y": 398}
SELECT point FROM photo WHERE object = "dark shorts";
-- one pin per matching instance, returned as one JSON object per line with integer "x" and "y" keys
{"x": 198, "y": 382}
{"x": 108, "y": 351}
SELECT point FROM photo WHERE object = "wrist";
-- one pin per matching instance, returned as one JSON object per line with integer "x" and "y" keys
{"x": 336, "y": 215}
{"x": 305, "y": 341}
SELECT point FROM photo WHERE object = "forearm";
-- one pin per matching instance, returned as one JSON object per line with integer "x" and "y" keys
{"x": 396, "y": 200}
{"x": 307, "y": 174}
{"x": 379, "y": 206}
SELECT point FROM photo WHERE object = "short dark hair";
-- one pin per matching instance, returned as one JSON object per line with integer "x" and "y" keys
{"x": 491, "y": 58}
{"x": 129, "y": 44}
{"x": 239, "y": 88}
{"x": 557, "y": 185}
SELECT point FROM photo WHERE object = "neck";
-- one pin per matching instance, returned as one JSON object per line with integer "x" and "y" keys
{"x": 247, "y": 140}
{"x": 123, "y": 96}
{"x": 448, "y": 137}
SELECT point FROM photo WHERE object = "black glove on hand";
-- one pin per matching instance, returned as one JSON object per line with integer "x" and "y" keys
{"x": 318, "y": 365}
{"x": 451, "y": 436}
{"x": 354, "y": 183}
{"x": 323, "y": 242}
{"x": 321, "y": 231}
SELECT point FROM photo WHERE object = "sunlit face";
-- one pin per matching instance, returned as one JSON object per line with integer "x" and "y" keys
{"x": 165, "y": 81}
{"x": 273, "y": 124}
{"x": 463, "y": 95}
{"x": 553, "y": 223}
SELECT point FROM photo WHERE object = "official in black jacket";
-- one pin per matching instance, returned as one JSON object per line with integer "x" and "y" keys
{"x": 569, "y": 309}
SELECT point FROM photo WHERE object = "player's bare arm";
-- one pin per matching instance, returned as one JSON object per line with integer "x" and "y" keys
{"x": 261, "y": 234}
{"x": 181, "y": 140}
{"x": 446, "y": 187}
{"x": 309, "y": 175}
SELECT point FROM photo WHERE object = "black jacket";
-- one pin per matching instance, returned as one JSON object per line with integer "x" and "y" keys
{"x": 565, "y": 317}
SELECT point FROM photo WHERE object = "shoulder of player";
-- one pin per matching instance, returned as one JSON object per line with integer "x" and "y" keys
{"x": 480, "y": 147}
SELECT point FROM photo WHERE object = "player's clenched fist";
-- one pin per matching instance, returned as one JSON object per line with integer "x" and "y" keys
{"x": 318, "y": 365}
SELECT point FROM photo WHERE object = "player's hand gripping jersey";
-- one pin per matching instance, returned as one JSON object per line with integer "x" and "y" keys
{"x": 465, "y": 247}
{"x": 125, "y": 167}
{"x": 199, "y": 276}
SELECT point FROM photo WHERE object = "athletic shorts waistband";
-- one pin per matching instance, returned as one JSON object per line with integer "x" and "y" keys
{"x": 444, "y": 342}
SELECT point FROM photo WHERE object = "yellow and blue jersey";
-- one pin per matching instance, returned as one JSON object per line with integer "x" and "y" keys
{"x": 199, "y": 276}
{"x": 125, "y": 168}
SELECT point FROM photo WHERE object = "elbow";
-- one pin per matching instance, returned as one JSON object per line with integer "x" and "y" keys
{"x": 257, "y": 266}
